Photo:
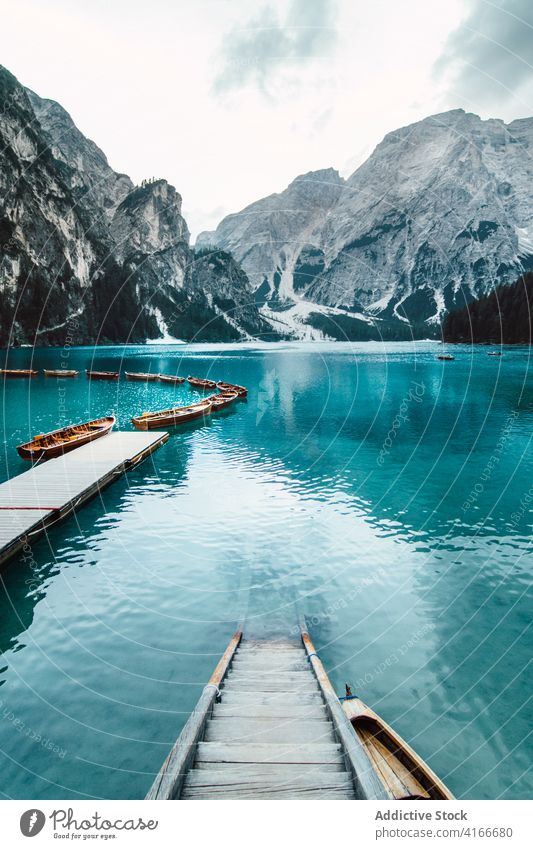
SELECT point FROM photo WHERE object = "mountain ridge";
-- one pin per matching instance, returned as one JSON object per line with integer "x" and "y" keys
{"x": 85, "y": 252}
{"x": 437, "y": 215}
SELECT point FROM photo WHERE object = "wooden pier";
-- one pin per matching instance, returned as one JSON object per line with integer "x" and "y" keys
{"x": 268, "y": 725}
{"x": 33, "y": 501}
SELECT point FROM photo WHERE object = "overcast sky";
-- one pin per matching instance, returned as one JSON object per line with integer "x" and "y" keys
{"x": 231, "y": 99}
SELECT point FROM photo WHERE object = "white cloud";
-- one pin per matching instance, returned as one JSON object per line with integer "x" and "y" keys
{"x": 138, "y": 78}
{"x": 251, "y": 52}
{"x": 488, "y": 59}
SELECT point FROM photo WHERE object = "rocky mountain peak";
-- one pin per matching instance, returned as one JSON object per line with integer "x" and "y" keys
{"x": 85, "y": 253}
{"x": 149, "y": 220}
{"x": 87, "y": 167}
{"x": 438, "y": 214}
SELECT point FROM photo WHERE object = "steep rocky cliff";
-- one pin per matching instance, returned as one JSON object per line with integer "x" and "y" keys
{"x": 85, "y": 254}
{"x": 440, "y": 213}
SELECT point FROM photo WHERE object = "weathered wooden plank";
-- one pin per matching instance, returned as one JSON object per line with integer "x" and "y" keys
{"x": 169, "y": 782}
{"x": 275, "y": 711}
{"x": 264, "y": 654}
{"x": 366, "y": 783}
{"x": 269, "y": 666}
{"x": 272, "y": 645}
{"x": 242, "y": 731}
{"x": 268, "y": 769}
{"x": 257, "y": 699}
{"x": 267, "y": 685}
{"x": 280, "y": 781}
{"x": 288, "y": 793}
{"x": 288, "y": 678}
{"x": 270, "y": 753}
{"x": 303, "y": 774}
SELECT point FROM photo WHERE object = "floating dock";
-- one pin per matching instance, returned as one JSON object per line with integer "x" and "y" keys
{"x": 33, "y": 501}
{"x": 268, "y": 725}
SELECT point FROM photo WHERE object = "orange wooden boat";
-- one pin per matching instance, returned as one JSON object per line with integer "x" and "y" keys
{"x": 140, "y": 376}
{"x": 18, "y": 372}
{"x": 401, "y": 770}
{"x": 58, "y": 442}
{"x": 241, "y": 391}
{"x": 171, "y": 378}
{"x": 60, "y": 372}
{"x": 201, "y": 383}
{"x": 102, "y": 375}
{"x": 221, "y": 400}
{"x": 172, "y": 416}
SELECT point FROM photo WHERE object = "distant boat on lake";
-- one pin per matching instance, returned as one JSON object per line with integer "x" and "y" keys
{"x": 18, "y": 372}
{"x": 102, "y": 375}
{"x": 172, "y": 416}
{"x": 171, "y": 378}
{"x": 202, "y": 383}
{"x": 241, "y": 391}
{"x": 60, "y": 372}
{"x": 142, "y": 377}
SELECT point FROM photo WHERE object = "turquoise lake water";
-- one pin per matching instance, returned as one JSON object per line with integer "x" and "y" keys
{"x": 384, "y": 494}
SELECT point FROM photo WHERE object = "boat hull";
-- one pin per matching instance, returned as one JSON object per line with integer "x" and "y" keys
{"x": 169, "y": 378}
{"x": 198, "y": 383}
{"x": 219, "y": 402}
{"x": 60, "y": 372}
{"x": 241, "y": 391}
{"x": 403, "y": 773}
{"x": 102, "y": 375}
{"x": 88, "y": 431}
{"x": 141, "y": 378}
{"x": 171, "y": 418}
{"x": 15, "y": 372}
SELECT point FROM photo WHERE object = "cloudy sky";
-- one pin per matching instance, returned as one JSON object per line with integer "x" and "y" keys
{"x": 231, "y": 99}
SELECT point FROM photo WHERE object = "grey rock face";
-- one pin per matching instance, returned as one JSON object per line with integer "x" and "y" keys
{"x": 268, "y": 236}
{"x": 86, "y": 254}
{"x": 90, "y": 171}
{"x": 440, "y": 213}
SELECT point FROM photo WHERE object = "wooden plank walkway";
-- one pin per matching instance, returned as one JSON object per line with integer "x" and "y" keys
{"x": 267, "y": 726}
{"x": 50, "y": 491}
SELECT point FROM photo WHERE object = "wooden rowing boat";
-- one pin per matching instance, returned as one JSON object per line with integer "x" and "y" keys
{"x": 171, "y": 378}
{"x": 172, "y": 416}
{"x": 221, "y": 400}
{"x": 241, "y": 391}
{"x": 445, "y": 357}
{"x": 60, "y": 372}
{"x": 200, "y": 383}
{"x": 102, "y": 375}
{"x": 269, "y": 725}
{"x": 58, "y": 442}
{"x": 18, "y": 372}
{"x": 140, "y": 376}
{"x": 401, "y": 771}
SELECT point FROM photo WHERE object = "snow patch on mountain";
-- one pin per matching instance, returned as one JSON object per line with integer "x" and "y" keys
{"x": 439, "y": 213}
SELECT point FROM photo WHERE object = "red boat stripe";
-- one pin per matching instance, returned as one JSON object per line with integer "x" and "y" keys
{"x": 31, "y": 508}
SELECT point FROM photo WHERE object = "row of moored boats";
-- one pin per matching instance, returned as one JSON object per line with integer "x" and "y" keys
{"x": 139, "y": 376}
{"x": 57, "y": 442}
